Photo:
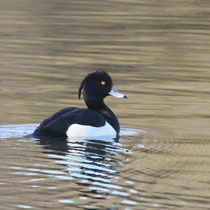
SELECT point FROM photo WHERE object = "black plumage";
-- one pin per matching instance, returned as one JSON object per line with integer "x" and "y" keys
{"x": 96, "y": 86}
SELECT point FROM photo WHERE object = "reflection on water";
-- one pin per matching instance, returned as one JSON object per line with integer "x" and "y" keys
{"x": 157, "y": 53}
{"x": 95, "y": 165}
{"x": 90, "y": 166}
{"x": 147, "y": 170}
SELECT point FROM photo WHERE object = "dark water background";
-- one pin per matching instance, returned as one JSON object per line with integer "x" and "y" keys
{"x": 157, "y": 52}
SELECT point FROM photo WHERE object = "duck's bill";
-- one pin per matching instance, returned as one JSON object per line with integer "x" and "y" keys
{"x": 117, "y": 94}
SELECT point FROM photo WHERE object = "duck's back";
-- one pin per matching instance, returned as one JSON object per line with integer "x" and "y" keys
{"x": 60, "y": 123}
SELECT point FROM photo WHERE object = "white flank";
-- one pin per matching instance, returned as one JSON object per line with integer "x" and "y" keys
{"x": 76, "y": 130}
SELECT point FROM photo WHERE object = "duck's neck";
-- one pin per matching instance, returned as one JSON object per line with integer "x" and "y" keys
{"x": 100, "y": 107}
{"x": 95, "y": 104}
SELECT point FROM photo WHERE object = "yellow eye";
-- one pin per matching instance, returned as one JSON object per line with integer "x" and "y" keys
{"x": 103, "y": 83}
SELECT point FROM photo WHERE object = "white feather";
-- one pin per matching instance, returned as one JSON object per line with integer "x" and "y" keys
{"x": 76, "y": 130}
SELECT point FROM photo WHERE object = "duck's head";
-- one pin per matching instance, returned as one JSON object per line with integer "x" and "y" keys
{"x": 96, "y": 86}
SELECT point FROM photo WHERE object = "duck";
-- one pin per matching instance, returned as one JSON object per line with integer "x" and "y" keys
{"x": 94, "y": 121}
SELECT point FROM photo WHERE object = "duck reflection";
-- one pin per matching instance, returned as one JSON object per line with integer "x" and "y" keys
{"x": 93, "y": 164}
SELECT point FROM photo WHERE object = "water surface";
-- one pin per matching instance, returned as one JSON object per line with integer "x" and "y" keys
{"x": 157, "y": 53}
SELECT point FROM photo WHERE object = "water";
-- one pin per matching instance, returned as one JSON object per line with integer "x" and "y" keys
{"x": 157, "y": 53}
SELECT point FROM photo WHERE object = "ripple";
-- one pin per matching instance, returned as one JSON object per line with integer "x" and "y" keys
{"x": 120, "y": 193}
{"x": 14, "y": 131}
{"x": 66, "y": 201}
{"x": 24, "y": 207}
{"x": 131, "y": 132}
{"x": 52, "y": 172}
{"x": 129, "y": 202}
{"x": 64, "y": 177}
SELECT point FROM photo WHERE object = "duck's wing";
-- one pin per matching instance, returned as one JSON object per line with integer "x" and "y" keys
{"x": 41, "y": 128}
{"x": 58, "y": 124}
